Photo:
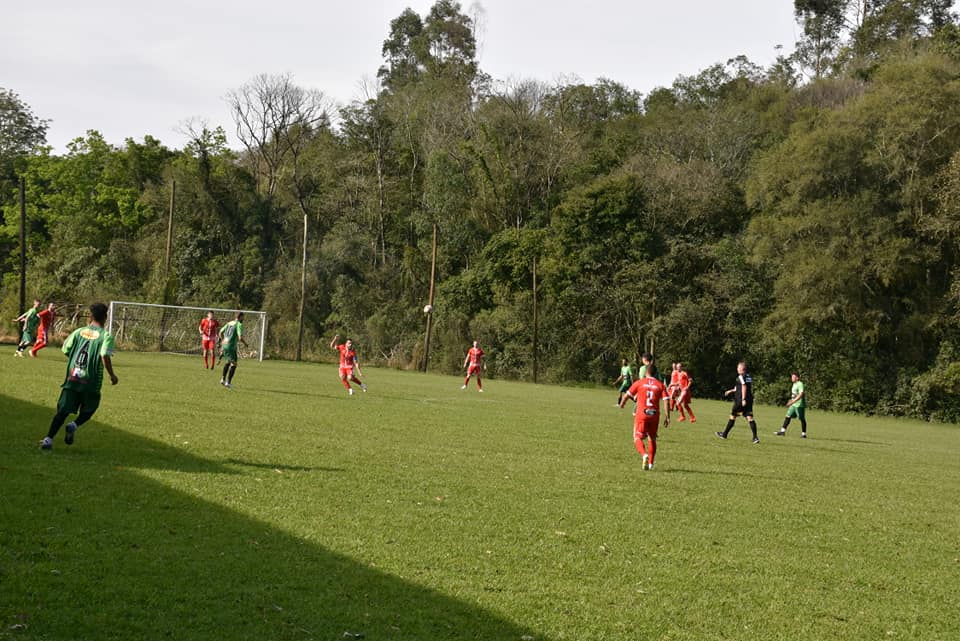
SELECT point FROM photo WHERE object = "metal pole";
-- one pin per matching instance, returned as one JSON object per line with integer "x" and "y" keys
{"x": 433, "y": 275}
{"x": 23, "y": 244}
{"x": 303, "y": 290}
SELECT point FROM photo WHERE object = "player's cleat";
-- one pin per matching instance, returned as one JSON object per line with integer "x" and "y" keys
{"x": 18, "y": 354}
{"x": 646, "y": 457}
{"x": 46, "y": 443}
{"x": 755, "y": 440}
{"x": 650, "y": 467}
{"x": 350, "y": 391}
{"x": 223, "y": 382}
{"x": 780, "y": 432}
{"x": 480, "y": 390}
{"x": 681, "y": 420}
{"x": 70, "y": 431}
{"x": 693, "y": 419}
{"x": 32, "y": 355}
{"x": 228, "y": 385}
{"x": 363, "y": 386}
{"x": 721, "y": 435}
{"x": 463, "y": 387}
{"x": 803, "y": 435}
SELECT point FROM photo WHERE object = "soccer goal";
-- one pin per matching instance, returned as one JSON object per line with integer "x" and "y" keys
{"x": 172, "y": 328}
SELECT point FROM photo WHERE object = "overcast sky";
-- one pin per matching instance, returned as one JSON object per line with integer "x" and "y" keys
{"x": 129, "y": 68}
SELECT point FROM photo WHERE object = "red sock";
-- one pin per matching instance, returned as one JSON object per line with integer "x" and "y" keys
{"x": 653, "y": 451}
{"x": 466, "y": 381}
{"x": 638, "y": 442}
{"x": 204, "y": 360}
{"x": 345, "y": 383}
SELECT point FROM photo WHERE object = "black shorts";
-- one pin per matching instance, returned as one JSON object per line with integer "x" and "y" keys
{"x": 742, "y": 410}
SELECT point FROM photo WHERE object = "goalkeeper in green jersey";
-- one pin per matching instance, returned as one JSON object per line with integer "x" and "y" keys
{"x": 31, "y": 321}
{"x": 89, "y": 351}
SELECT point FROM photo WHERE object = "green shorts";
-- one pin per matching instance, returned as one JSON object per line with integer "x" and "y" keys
{"x": 27, "y": 338}
{"x": 229, "y": 354}
{"x": 73, "y": 402}
{"x": 625, "y": 386}
{"x": 795, "y": 411}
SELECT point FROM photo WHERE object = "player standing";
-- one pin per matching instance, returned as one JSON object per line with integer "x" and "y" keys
{"x": 683, "y": 395}
{"x": 348, "y": 361}
{"x": 209, "y": 329}
{"x": 649, "y": 393}
{"x": 30, "y": 320}
{"x": 46, "y": 324}
{"x": 474, "y": 364}
{"x": 742, "y": 402}
{"x": 625, "y": 380}
{"x": 796, "y": 406}
{"x": 89, "y": 351}
{"x": 230, "y": 335}
{"x": 673, "y": 390}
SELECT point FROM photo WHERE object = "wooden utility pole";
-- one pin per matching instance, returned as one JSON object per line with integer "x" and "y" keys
{"x": 166, "y": 262}
{"x": 535, "y": 320}
{"x": 433, "y": 276}
{"x": 23, "y": 244}
{"x": 303, "y": 289}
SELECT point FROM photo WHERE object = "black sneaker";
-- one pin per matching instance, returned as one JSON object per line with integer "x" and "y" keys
{"x": 71, "y": 430}
{"x": 46, "y": 443}
{"x": 721, "y": 435}
{"x": 803, "y": 435}
{"x": 755, "y": 440}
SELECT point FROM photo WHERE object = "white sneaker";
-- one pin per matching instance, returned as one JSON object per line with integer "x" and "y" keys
{"x": 363, "y": 386}
{"x": 480, "y": 390}
{"x": 228, "y": 385}
{"x": 463, "y": 387}
{"x": 18, "y": 354}
{"x": 650, "y": 467}
{"x": 646, "y": 457}
{"x": 223, "y": 382}
{"x": 350, "y": 391}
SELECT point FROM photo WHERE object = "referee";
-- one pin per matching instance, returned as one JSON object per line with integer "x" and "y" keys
{"x": 742, "y": 402}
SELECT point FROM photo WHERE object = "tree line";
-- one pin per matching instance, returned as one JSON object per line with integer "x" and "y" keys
{"x": 803, "y": 216}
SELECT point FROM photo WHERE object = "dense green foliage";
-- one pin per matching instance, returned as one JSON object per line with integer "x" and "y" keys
{"x": 801, "y": 216}
{"x": 285, "y": 509}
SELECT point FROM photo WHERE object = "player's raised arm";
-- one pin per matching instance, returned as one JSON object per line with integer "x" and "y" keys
{"x": 333, "y": 341}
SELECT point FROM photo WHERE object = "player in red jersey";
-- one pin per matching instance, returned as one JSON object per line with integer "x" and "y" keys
{"x": 209, "y": 328}
{"x": 474, "y": 364}
{"x": 649, "y": 393}
{"x": 683, "y": 398}
{"x": 673, "y": 390}
{"x": 46, "y": 325}
{"x": 348, "y": 362}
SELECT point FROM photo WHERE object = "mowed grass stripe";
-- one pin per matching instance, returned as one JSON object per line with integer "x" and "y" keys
{"x": 418, "y": 510}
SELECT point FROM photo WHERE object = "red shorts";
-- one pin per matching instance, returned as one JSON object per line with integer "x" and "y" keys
{"x": 346, "y": 372}
{"x": 473, "y": 369}
{"x": 208, "y": 344}
{"x": 644, "y": 427}
{"x": 683, "y": 396}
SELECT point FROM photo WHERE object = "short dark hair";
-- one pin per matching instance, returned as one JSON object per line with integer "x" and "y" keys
{"x": 239, "y": 315}
{"x": 647, "y": 356}
{"x": 651, "y": 371}
{"x": 99, "y": 312}
{"x": 795, "y": 373}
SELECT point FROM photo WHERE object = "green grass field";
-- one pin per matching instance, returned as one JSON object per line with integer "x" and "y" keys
{"x": 284, "y": 509}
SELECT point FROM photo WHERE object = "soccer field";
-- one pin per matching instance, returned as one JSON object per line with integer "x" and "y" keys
{"x": 284, "y": 509}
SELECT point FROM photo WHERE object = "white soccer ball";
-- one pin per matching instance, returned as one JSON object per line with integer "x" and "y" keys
{"x": 427, "y": 308}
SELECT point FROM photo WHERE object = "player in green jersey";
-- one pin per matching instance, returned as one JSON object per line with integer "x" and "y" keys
{"x": 89, "y": 351}
{"x": 796, "y": 406}
{"x": 31, "y": 321}
{"x": 625, "y": 380}
{"x": 230, "y": 335}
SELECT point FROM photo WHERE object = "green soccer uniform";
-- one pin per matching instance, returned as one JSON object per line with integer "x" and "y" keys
{"x": 627, "y": 373}
{"x": 229, "y": 338}
{"x": 642, "y": 372}
{"x": 30, "y": 325}
{"x": 798, "y": 409}
{"x": 84, "y": 348}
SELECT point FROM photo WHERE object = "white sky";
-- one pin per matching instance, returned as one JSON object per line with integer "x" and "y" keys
{"x": 129, "y": 68}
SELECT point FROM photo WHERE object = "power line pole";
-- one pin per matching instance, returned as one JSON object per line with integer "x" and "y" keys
{"x": 23, "y": 244}
{"x": 535, "y": 320}
{"x": 433, "y": 276}
{"x": 303, "y": 289}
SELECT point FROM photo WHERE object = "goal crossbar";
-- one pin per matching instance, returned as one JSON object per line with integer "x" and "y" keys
{"x": 174, "y": 328}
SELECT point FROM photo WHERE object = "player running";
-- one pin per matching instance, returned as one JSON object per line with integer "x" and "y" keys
{"x": 209, "y": 329}
{"x": 650, "y": 394}
{"x": 89, "y": 351}
{"x": 43, "y": 333}
{"x": 231, "y": 335}
{"x": 742, "y": 402}
{"x": 682, "y": 401}
{"x": 348, "y": 362}
{"x": 673, "y": 390}
{"x": 625, "y": 380}
{"x": 796, "y": 406}
{"x": 30, "y": 320}
{"x": 474, "y": 364}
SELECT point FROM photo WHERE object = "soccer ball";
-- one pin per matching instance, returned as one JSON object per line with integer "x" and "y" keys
{"x": 427, "y": 308}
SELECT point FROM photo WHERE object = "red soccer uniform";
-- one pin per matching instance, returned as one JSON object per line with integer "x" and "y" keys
{"x": 347, "y": 358}
{"x": 648, "y": 392}
{"x": 474, "y": 354}
{"x": 46, "y": 322}
{"x": 208, "y": 331}
{"x": 684, "y": 382}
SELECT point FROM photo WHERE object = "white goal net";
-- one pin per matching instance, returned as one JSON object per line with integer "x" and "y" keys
{"x": 171, "y": 328}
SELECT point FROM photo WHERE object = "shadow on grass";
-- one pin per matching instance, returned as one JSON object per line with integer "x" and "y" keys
{"x": 92, "y": 549}
{"x": 285, "y": 468}
{"x": 847, "y": 440}
{"x": 677, "y": 470}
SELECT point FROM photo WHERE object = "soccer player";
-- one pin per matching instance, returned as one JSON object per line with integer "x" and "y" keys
{"x": 474, "y": 363}
{"x": 230, "y": 335}
{"x": 649, "y": 393}
{"x": 348, "y": 362}
{"x": 682, "y": 401}
{"x": 625, "y": 380}
{"x": 46, "y": 324}
{"x": 742, "y": 402}
{"x": 30, "y": 320}
{"x": 647, "y": 359}
{"x": 796, "y": 406}
{"x": 89, "y": 351}
{"x": 673, "y": 390}
{"x": 209, "y": 329}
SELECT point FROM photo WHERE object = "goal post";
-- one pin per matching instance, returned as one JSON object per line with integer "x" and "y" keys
{"x": 173, "y": 328}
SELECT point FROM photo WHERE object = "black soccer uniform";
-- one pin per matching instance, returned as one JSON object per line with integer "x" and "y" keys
{"x": 743, "y": 396}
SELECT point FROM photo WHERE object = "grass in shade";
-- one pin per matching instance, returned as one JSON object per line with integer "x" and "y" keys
{"x": 285, "y": 509}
